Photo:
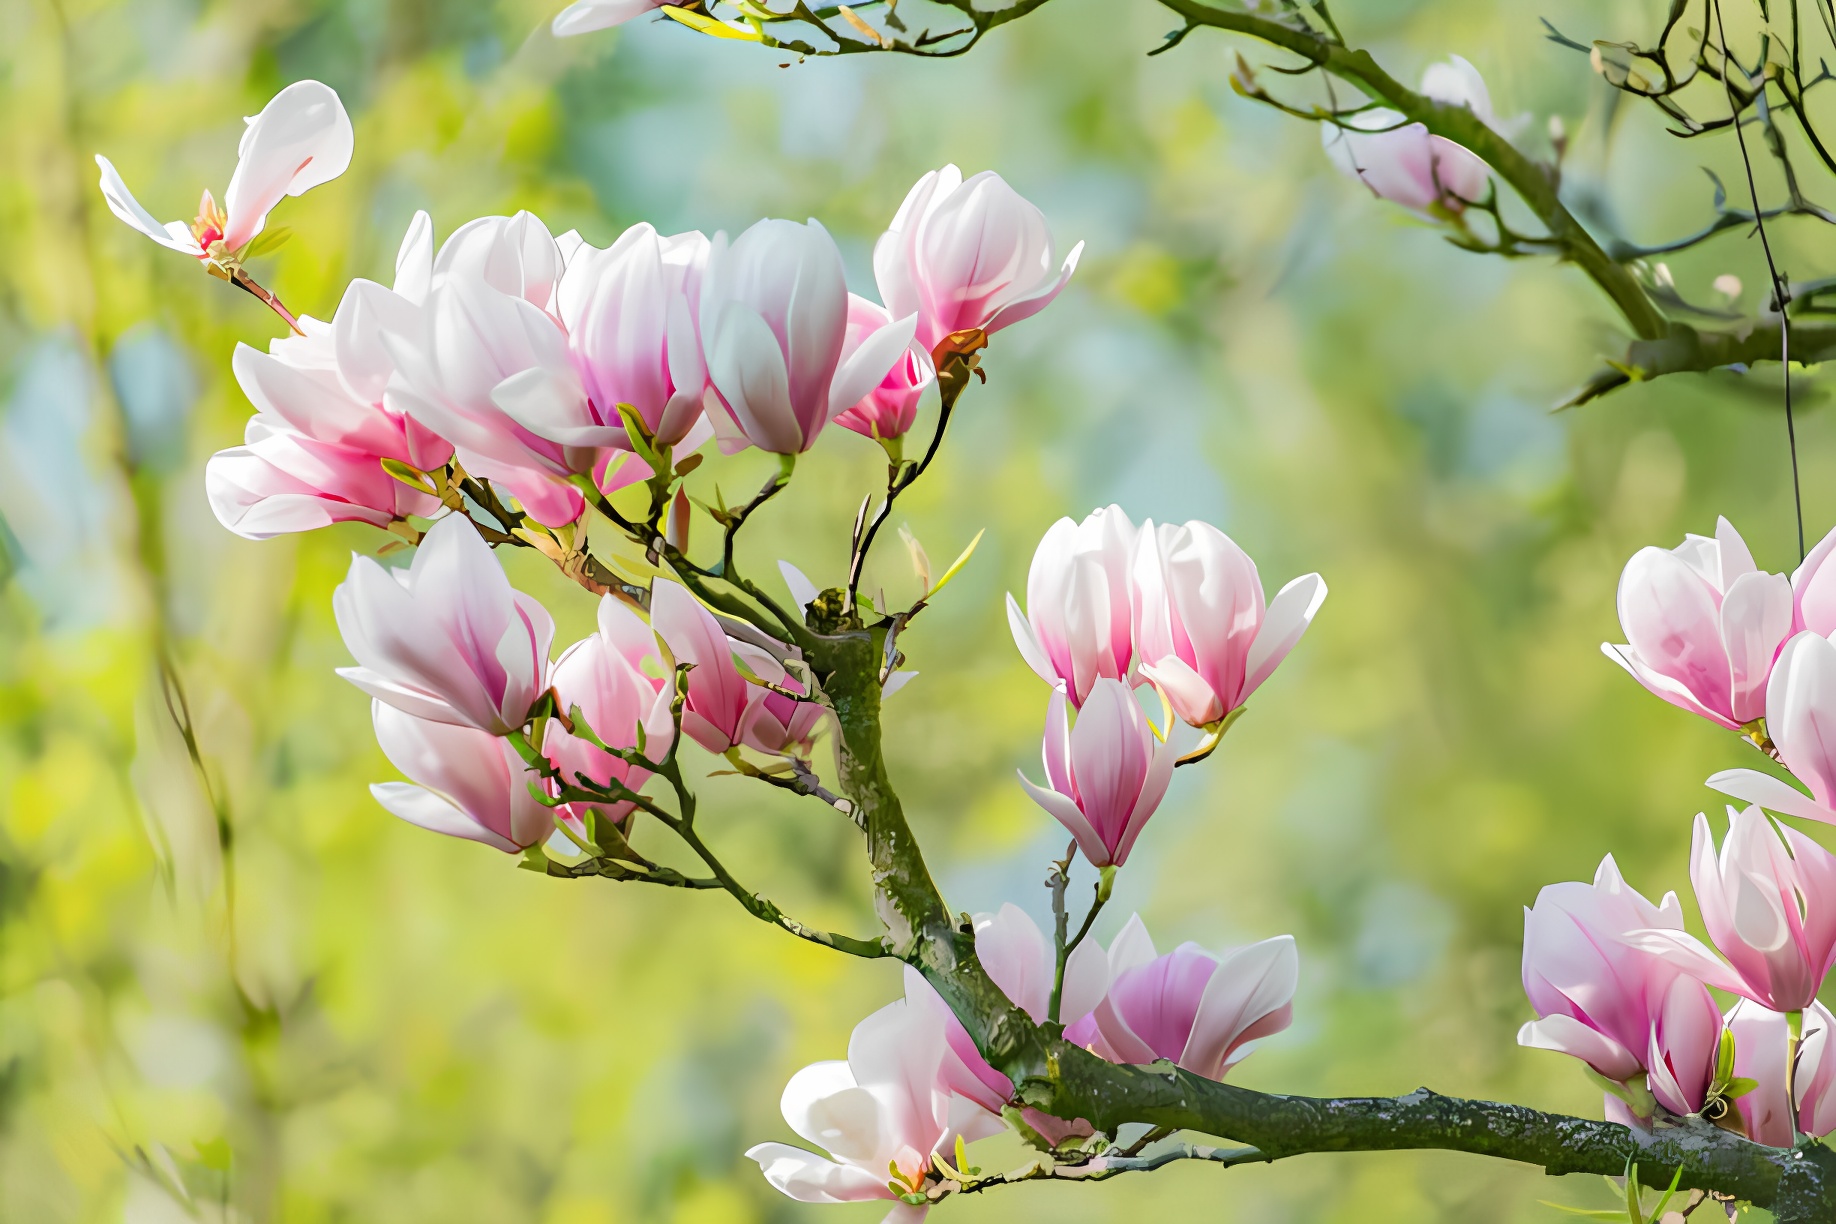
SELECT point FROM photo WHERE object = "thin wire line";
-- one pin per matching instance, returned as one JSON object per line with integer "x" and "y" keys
{"x": 1781, "y": 292}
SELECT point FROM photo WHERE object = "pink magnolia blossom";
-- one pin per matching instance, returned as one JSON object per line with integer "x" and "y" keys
{"x": 301, "y": 138}
{"x": 1077, "y": 627}
{"x": 1189, "y": 1007}
{"x": 312, "y": 453}
{"x": 723, "y": 707}
{"x": 447, "y": 639}
{"x": 782, "y": 726}
{"x": 1703, "y": 625}
{"x": 586, "y": 16}
{"x": 468, "y": 783}
{"x": 605, "y": 677}
{"x": 1604, "y": 1000}
{"x": 1760, "y": 1041}
{"x": 629, "y": 312}
{"x": 881, "y": 1115}
{"x": 1399, "y": 161}
{"x": 774, "y": 320}
{"x": 1769, "y": 903}
{"x": 1800, "y": 704}
{"x": 488, "y": 362}
{"x": 1105, "y": 773}
{"x": 968, "y": 254}
{"x": 1203, "y": 634}
{"x": 889, "y": 409}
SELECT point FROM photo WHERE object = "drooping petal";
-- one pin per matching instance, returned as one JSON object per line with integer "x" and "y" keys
{"x": 301, "y": 138}
{"x": 122, "y": 203}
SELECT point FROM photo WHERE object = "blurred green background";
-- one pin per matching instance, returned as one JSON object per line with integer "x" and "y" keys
{"x": 311, "y": 1012}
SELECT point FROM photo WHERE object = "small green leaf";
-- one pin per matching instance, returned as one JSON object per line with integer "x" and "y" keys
{"x": 1633, "y": 1211}
{"x": 957, "y": 565}
{"x": 704, "y": 24}
{"x": 267, "y": 240}
{"x": 534, "y": 860}
{"x": 1676, "y": 1179}
{"x": 1724, "y": 1056}
{"x": 1740, "y": 1087}
{"x": 413, "y": 477}
{"x": 214, "y": 1154}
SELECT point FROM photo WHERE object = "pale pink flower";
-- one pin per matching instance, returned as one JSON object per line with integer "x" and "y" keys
{"x": 1189, "y": 1007}
{"x": 889, "y": 409}
{"x": 447, "y": 639}
{"x": 468, "y": 783}
{"x": 312, "y": 452}
{"x": 1077, "y": 623}
{"x": 1597, "y": 996}
{"x": 615, "y": 679}
{"x": 629, "y": 311}
{"x": 1399, "y": 161}
{"x": 301, "y": 138}
{"x": 1769, "y": 903}
{"x": 1203, "y": 634}
{"x": 1801, "y": 722}
{"x": 1105, "y": 773}
{"x": 968, "y": 254}
{"x": 1703, "y": 625}
{"x": 774, "y": 318}
{"x": 884, "y": 1113}
{"x": 1681, "y": 1050}
{"x": 1760, "y": 1041}
{"x": 727, "y": 706}
{"x": 782, "y": 726}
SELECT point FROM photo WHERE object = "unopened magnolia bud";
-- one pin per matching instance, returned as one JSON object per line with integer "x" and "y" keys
{"x": 676, "y": 528}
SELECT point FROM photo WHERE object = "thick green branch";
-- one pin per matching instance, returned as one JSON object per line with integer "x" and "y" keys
{"x": 1532, "y": 182}
{"x": 1686, "y": 350}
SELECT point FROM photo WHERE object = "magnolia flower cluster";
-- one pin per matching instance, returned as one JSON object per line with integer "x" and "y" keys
{"x": 541, "y": 362}
{"x": 1111, "y": 607}
{"x": 1617, "y": 981}
{"x": 890, "y": 1116}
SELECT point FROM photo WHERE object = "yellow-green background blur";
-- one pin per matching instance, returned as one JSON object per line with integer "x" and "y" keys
{"x": 348, "y": 1019}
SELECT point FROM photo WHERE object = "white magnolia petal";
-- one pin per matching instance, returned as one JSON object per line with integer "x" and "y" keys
{"x": 122, "y": 203}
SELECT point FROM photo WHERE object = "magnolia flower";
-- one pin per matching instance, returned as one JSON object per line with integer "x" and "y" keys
{"x": 1800, "y": 695}
{"x": 1105, "y": 773}
{"x": 1076, "y": 627}
{"x": 967, "y": 255}
{"x": 1761, "y": 1038}
{"x": 1681, "y": 1050}
{"x": 629, "y": 311}
{"x": 887, "y": 1110}
{"x": 1189, "y": 1007}
{"x": 1703, "y": 625}
{"x": 446, "y": 639}
{"x": 1399, "y": 161}
{"x": 774, "y": 318}
{"x": 515, "y": 255}
{"x": 1599, "y": 997}
{"x": 301, "y": 138}
{"x": 312, "y": 453}
{"x": 469, "y": 784}
{"x": 1769, "y": 903}
{"x": 888, "y": 410}
{"x": 604, "y": 677}
{"x": 781, "y": 725}
{"x": 1202, "y": 633}
{"x": 585, "y": 16}
{"x": 722, "y": 705}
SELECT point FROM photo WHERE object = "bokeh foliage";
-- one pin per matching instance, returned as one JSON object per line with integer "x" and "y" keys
{"x": 263, "y": 986}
